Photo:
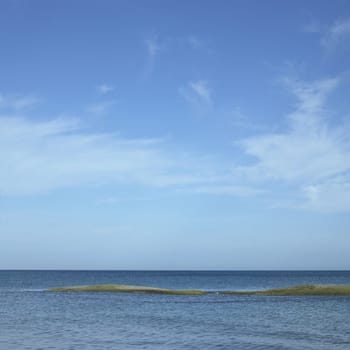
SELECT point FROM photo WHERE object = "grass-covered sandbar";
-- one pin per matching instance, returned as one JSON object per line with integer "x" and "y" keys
{"x": 122, "y": 288}
{"x": 310, "y": 289}
{"x": 304, "y": 290}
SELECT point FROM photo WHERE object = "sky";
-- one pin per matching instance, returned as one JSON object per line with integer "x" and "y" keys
{"x": 175, "y": 134}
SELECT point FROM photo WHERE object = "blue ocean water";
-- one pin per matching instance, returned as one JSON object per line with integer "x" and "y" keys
{"x": 31, "y": 318}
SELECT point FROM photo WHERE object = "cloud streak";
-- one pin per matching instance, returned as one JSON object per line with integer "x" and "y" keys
{"x": 331, "y": 36}
{"x": 100, "y": 108}
{"x": 311, "y": 156}
{"x": 305, "y": 166}
{"x": 153, "y": 47}
{"x": 17, "y": 102}
{"x": 336, "y": 33}
{"x": 197, "y": 94}
{"x": 42, "y": 156}
{"x": 105, "y": 89}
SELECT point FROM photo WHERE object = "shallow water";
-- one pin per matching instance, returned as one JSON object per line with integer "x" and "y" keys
{"x": 33, "y": 319}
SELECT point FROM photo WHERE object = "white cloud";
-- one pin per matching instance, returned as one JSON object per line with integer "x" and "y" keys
{"x": 41, "y": 156}
{"x": 18, "y": 102}
{"x": 313, "y": 27}
{"x": 336, "y": 33}
{"x": 310, "y": 155}
{"x": 332, "y": 195}
{"x": 153, "y": 47}
{"x": 104, "y": 88}
{"x": 197, "y": 93}
{"x": 308, "y": 163}
{"x": 194, "y": 42}
{"x": 101, "y": 108}
{"x": 113, "y": 200}
{"x": 229, "y": 190}
{"x": 241, "y": 121}
{"x": 202, "y": 90}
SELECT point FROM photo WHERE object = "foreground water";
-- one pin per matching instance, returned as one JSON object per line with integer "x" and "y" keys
{"x": 31, "y": 318}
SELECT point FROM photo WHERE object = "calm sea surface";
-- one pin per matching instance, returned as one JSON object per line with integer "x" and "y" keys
{"x": 31, "y": 318}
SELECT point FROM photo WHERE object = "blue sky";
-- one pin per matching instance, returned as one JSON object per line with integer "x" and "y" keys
{"x": 175, "y": 134}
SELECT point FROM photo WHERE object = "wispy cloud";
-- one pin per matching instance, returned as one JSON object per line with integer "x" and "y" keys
{"x": 333, "y": 35}
{"x": 197, "y": 93}
{"x": 114, "y": 200}
{"x": 242, "y": 122}
{"x": 153, "y": 46}
{"x": 18, "y": 102}
{"x": 332, "y": 195}
{"x": 105, "y": 88}
{"x": 313, "y": 27}
{"x": 307, "y": 164}
{"x": 312, "y": 156}
{"x": 202, "y": 90}
{"x": 194, "y": 42}
{"x": 100, "y": 108}
{"x": 42, "y": 156}
{"x": 229, "y": 190}
{"x": 337, "y": 33}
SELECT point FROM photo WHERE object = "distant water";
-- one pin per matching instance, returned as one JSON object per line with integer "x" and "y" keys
{"x": 33, "y": 319}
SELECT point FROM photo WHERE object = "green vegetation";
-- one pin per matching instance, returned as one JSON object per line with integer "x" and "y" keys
{"x": 309, "y": 289}
{"x": 296, "y": 290}
{"x": 120, "y": 288}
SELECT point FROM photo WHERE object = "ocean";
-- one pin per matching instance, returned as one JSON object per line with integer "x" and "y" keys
{"x": 31, "y": 318}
